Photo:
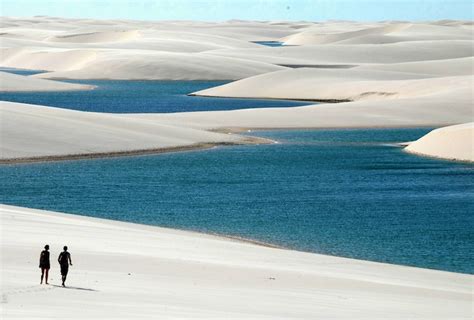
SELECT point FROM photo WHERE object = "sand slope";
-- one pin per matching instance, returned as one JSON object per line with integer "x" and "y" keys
{"x": 333, "y": 54}
{"x": 46, "y": 59}
{"x": 30, "y": 131}
{"x": 453, "y": 143}
{"x": 441, "y": 109}
{"x": 13, "y": 82}
{"x": 387, "y": 33}
{"x": 164, "y": 66}
{"x": 337, "y": 84}
{"x": 177, "y": 274}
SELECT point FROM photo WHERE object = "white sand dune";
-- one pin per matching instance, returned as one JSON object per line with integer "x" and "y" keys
{"x": 13, "y": 82}
{"x": 425, "y": 79}
{"x": 46, "y": 59}
{"x": 123, "y": 270}
{"x": 337, "y": 84}
{"x": 92, "y": 37}
{"x": 138, "y": 65}
{"x": 388, "y": 33}
{"x": 30, "y": 131}
{"x": 453, "y": 143}
{"x": 448, "y": 67}
{"x": 440, "y": 109}
{"x": 357, "y": 54}
{"x": 37, "y": 131}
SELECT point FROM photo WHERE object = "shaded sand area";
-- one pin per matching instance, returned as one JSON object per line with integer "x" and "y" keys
{"x": 123, "y": 270}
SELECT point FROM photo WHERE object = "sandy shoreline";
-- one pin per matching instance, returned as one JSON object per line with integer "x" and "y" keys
{"x": 98, "y": 155}
{"x": 173, "y": 273}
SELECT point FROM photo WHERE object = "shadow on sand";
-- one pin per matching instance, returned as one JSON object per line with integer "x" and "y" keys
{"x": 74, "y": 288}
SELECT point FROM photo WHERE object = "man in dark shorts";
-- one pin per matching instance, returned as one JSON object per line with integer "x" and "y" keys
{"x": 64, "y": 260}
{"x": 44, "y": 263}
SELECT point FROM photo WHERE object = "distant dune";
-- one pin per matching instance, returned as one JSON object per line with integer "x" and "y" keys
{"x": 387, "y": 74}
{"x": 93, "y": 37}
{"x": 388, "y": 33}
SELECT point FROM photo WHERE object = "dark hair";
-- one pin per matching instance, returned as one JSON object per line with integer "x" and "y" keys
{"x": 65, "y": 248}
{"x": 46, "y": 246}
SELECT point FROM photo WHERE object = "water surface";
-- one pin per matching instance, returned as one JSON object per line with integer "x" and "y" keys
{"x": 341, "y": 192}
{"x": 119, "y": 96}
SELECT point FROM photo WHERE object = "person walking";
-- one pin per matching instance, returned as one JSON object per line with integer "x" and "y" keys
{"x": 44, "y": 264}
{"x": 64, "y": 260}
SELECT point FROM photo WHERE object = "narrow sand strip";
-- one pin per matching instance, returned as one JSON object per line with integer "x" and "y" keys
{"x": 171, "y": 273}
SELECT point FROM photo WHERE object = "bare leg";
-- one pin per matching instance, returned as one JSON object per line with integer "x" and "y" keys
{"x": 64, "y": 279}
{"x": 42, "y": 274}
{"x": 47, "y": 271}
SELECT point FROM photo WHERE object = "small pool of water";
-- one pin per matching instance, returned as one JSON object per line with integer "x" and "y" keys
{"x": 269, "y": 43}
{"x": 23, "y": 72}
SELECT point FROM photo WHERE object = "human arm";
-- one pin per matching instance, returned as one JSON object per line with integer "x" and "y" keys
{"x": 70, "y": 261}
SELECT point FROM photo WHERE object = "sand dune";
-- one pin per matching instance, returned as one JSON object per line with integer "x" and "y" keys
{"x": 37, "y": 131}
{"x": 136, "y": 65}
{"x": 388, "y": 33}
{"x": 430, "y": 110}
{"x": 356, "y": 54}
{"x": 56, "y": 59}
{"x": 13, "y": 82}
{"x": 181, "y": 274}
{"x": 448, "y": 67}
{"x": 453, "y": 143}
{"x": 408, "y": 83}
{"x": 91, "y": 37}
{"x": 323, "y": 84}
{"x": 314, "y": 36}
{"x": 30, "y": 131}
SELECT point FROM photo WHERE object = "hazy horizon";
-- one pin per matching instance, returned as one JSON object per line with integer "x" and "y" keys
{"x": 208, "y": 10}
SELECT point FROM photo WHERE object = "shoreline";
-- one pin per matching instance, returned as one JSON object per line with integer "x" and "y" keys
{"x": 248, "y": 140}
{"x": 129, "y": 153}
{"x": 267, "y": 98}
{"x": 217, "y": 236}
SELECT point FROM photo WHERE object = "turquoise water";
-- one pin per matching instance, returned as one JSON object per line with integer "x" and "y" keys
{"x": 270, "y": 43}
{"x": 341, "y": 192}
{"x": 22, "y": 72}
{"x": 118, "y": 96}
